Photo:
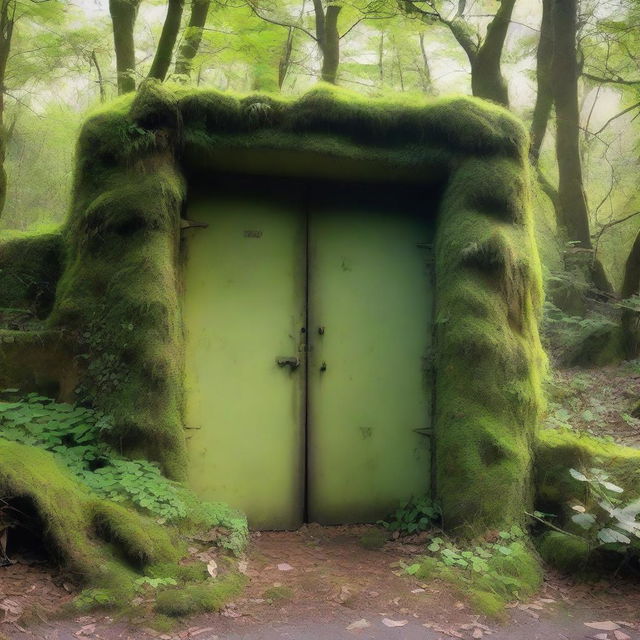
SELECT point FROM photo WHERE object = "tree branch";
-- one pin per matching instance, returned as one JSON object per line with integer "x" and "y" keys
{"x": 280, "y": 24}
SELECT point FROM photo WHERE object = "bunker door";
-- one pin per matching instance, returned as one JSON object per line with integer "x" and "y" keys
{"x": 308, "y": 330}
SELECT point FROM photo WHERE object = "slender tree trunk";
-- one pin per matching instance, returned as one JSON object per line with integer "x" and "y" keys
{"x": 381, "y": 59}
{"x": 631, "y": 287}
{"x": 399, "y": 63}
{"x": 123, "y": 17}
{"x": 573, "y": 210}
{"x": 7, "y": 21}
{"x": 574, "y": 216}
{"x": 486, "y": 75}
{"x": 544, "y": 98}
{"x": 192, "y": 37}
{"x": 96, "y": 64}
{"x": 426, "y": 71}
{"x": 285, "y": 58}
{"x": 167, "y": 42}
{"x": 331, "y": 44}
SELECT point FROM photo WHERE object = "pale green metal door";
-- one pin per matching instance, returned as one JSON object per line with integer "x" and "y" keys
{"x": 244, "y": 308}
{"x": 338, "y": 433}
{"x": 369, "y": 397}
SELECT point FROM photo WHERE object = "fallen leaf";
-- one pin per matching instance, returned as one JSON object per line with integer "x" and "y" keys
{"x": 283, "y": 566}
{"x": 197, "y": 632}
{"x": 620, "y": 635}
{"x": 358, "y": 624}
{"x": 387, "y": 622}
{"x": 212, "y": 568}
{"x": 605, "y": 625}
{"x": 477, "y": 633}
{"x": 417, "y": 590}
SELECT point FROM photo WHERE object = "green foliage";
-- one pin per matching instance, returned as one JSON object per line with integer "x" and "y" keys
{"x": 489, "y": 573}
{"x": 582, "y": 341}
{"x": 603, "y": 520}
{"x": 76, "y": 436}
{"x": 413, "y": 516}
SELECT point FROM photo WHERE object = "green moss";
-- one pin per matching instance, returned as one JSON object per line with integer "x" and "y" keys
{"x": 560, "y": 450}
{"x": 489, "y": 292}
{"x": 162, "y": 623}
{"x": 278, "y": 594}
{"x": 73, "y": 521}
{"x": 564, "y": 552}
{"x": 373, "y": 539}
{"x": 487, "y": 603}
{"x": 507, "y": 578}
{"x": 30, "y": 265}
{"x": 199, "y": 598}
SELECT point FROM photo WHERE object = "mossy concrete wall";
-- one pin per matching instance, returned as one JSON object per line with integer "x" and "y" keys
{"x": 118, "y": 299}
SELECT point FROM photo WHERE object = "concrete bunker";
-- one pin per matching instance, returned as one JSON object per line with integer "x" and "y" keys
{"x": 447, "y": 184}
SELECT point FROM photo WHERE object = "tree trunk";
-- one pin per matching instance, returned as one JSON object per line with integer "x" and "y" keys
{"x": 285, "y": 58}
{"x": 631, "y": 287}
{"x": 573, "y": 212}
{"x": 426, "y": 71}
{"x": 167, "y": 42}
{"x": 574, "y": 216}
{"x": 381, "y": 59}
{"x": 192, "y": 37}
{"x": 331, "y": 44}
{"x": 544, "y": 98}
{"x": 96, "y": 64}
{"x": 7, "y": 16}
{"x": 486, "y": 76}
{"x": 123, "y": 17}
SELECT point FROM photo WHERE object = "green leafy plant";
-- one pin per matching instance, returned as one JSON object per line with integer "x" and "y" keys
{"x": 75, "y": 435}
{"x": 603, "y": 516}
{"x": 154, "y": 583}
{"x": 413, "y": 516}
{"x": 491, "y": 572}
{"x": 603, "y": 519}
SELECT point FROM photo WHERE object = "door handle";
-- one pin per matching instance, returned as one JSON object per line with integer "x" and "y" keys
{"x": 288, "y": 361}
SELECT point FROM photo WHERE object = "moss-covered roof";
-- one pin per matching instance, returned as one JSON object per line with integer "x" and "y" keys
{"x": 407, "y": 131}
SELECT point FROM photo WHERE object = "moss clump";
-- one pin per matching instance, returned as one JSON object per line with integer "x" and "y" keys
{"x": 507, "y": 576}
{"x": 490, "y": 362}
{"x": 278, "y": 594}
{"x": 199, "y": 598}
{"x": 373, "y": 539}
{"x": 560, "y": 450}
{"x": 30, "y": 265}
{"x": 76, "y": 525}
{"x": 565, "y": 552}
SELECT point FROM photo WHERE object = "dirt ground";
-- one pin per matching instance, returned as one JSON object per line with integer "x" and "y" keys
{"x": 319, "y": 583}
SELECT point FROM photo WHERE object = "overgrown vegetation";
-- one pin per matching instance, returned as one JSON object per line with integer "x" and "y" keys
{"x": 76, "y": 435}
{"x": 489, "y": 572}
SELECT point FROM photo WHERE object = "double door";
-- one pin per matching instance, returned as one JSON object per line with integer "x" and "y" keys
{"x": 308, "y": 332}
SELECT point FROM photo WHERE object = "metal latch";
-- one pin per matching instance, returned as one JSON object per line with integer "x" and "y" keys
{"x": 288, "y": 361}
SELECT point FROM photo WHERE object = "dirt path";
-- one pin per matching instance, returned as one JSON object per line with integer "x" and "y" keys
{"x": 314, "y": 583}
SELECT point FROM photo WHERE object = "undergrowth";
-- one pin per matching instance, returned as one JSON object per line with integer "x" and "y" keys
{"x": 490, "y": 572}
{"x": 76, "y": 436}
